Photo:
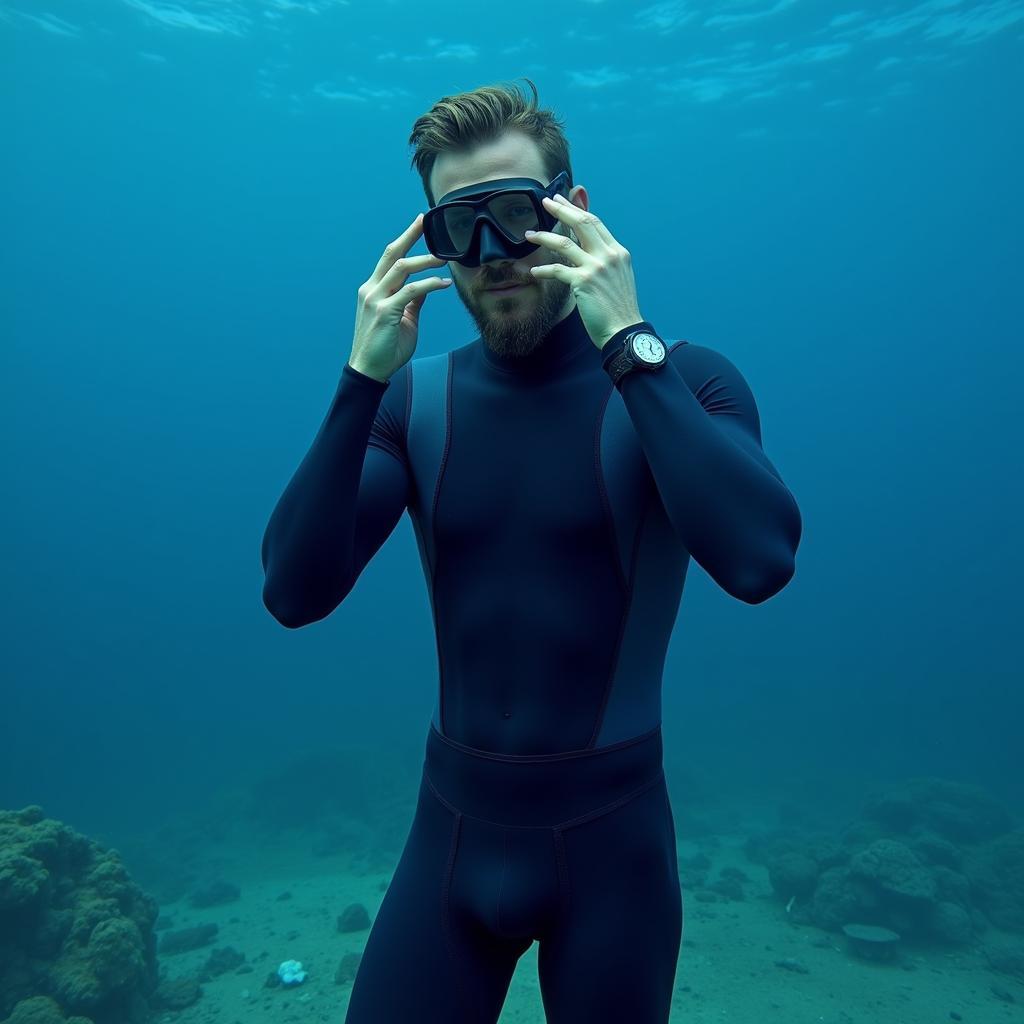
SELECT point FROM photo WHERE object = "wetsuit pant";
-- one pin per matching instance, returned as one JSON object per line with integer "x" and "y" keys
{"x": 577, "y": 851}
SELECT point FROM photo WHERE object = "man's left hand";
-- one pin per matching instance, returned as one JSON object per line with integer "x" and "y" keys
{"x": 600, "y": 274}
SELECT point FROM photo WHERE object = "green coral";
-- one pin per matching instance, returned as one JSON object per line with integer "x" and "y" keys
{"x": 75, "y": 932}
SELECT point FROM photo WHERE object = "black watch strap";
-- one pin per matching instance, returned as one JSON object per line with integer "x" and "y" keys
{"x": 619, "y": 358}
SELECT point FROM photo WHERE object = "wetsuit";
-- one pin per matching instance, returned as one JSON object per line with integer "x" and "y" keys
{"x": 555, "y": 515}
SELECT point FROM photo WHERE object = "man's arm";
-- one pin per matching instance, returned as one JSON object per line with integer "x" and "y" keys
{"x": 340, "y": 506}
{"x": 699, "y": 427}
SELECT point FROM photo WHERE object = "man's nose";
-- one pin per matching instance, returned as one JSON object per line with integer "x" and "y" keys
{"x": 491, "y": 245}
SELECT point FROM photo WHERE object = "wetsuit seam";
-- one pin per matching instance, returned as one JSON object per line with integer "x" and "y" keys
{"x": 437, "y": 794}
{"x": 602, "y": 491}
{"x": 408, "y": 407}
{"x": 623, "y": 625}
{"x": 607, "y": 808}
{"x": 595, "y": 813}
{"x": 461, "y": 970}
{"x": 433, "y": 525}
{"x": 567, "y": 755}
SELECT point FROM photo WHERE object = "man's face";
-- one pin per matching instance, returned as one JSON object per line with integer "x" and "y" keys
{"x": 510, "y": 323}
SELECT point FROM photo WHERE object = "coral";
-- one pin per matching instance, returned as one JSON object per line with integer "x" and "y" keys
{"x": 76, "y": 934}
{"x": 996, "y": 874}
{"x": 841, "y": 897}
{"x": 896, "y": 869}
{"x": 41, "y": 1010}
{"x": 793, "y": 874}
{"x": 958, "y": 812}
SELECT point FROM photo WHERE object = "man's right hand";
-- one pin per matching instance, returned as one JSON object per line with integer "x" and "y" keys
{"x": 388, "y": 308}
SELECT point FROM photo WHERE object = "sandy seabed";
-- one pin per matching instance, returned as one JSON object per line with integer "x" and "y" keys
{"x": 728, "y": 967}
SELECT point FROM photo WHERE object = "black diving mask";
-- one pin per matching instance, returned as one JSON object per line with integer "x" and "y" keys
{"x": 489, "y": 220}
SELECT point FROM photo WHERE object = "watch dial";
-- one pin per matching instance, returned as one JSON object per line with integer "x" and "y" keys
{"x": 648, "y": 347}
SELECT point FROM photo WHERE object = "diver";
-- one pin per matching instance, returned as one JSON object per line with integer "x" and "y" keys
{"x": 560, "y": 471}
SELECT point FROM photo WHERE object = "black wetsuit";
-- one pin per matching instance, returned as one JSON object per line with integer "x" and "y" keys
{"x": 555, "y": 516}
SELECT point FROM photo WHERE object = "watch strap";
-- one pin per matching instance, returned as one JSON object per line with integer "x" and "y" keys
{"x": 617, "y": 359}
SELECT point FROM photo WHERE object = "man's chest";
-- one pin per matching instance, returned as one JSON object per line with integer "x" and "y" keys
{"x": 531, "y": 470}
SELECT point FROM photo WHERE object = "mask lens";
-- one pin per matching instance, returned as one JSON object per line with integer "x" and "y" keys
{"x": 513, "y": 212}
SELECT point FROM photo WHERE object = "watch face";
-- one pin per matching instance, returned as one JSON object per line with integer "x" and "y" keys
{"x": 648, "y": 347}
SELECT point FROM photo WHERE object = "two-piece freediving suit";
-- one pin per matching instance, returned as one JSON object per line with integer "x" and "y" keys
{"x": 555, "y": 516}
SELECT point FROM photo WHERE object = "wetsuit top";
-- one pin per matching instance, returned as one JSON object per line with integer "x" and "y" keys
{"x": 555, "y": 515}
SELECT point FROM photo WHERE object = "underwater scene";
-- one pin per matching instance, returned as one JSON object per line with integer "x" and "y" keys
{"x": 631, "y": 635}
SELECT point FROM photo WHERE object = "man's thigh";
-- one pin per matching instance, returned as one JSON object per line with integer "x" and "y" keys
{"x": 613, "y": 955}
{"x": 423, "y": 963}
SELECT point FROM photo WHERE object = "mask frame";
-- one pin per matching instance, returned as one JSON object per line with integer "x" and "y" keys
{"x": 488, "y": 239}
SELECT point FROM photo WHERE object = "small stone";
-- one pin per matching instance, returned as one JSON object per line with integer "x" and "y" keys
{"x": 346, "y": 971}
{"x": 215, "y": 894}
{"x": 790, "y": 964}
{"x": 353, "y": 918}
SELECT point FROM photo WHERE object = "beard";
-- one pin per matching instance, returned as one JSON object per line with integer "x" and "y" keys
{"x": 514, "y": 327}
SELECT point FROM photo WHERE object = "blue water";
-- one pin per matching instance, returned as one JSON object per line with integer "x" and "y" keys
{"x": 827, "y": 193}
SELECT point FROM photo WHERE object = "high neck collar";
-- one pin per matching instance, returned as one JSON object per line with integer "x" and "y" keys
{"x": 562, "y": 342}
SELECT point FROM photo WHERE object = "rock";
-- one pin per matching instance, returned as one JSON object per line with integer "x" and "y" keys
{"x": 895, "y": 868}
{"x": 347, "y": 969}
{"x": 841, "y": 897}
{"x": 792, "y": 965}
{"x": 996, "y": 873}
{"x": 220, "y": 961}
{"x": 215, "y": 894}
{"x": 733, "y": 872}
{"x": 729, "y": 887}
{"x": 185, "y": 939}
{"x": 353, "y": 918}
{"x": 178, "y": 993}
{"x": 1006, "y": 960}
{"x": 933, "y": 849}
{"x": 793, "y": 874}
{"x": 951, "y": 924}
{"x": 37, "y": 1010}
{"x": 960, "y": 813}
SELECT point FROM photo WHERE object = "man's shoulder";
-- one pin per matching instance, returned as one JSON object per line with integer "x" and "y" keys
{"x": 693, "y": 358}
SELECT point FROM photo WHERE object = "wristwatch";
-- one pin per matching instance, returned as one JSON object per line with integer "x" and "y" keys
{"x": 641, "y": 349}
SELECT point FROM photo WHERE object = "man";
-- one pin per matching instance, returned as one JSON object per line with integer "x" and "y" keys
{"x": 560, "y": 471}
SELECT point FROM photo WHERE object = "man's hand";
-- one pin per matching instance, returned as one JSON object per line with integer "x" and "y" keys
{"x": 601, "y": 274}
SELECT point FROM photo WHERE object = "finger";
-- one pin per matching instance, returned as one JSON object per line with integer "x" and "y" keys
{"x": 415, "y": 289}
{"x": 394, "y": 278}
{"x": 397, "y": 248}
{"x": 583, "y": 222}
{"x": 558, "y": 271}
{"x": 562, "y": 244}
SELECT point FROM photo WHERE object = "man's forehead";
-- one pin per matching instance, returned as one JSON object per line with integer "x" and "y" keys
{"x": 509, "y": 157}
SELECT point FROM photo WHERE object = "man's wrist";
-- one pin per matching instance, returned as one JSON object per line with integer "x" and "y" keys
{"x": 614, "y": 345}
{"x": 366, "y": 372}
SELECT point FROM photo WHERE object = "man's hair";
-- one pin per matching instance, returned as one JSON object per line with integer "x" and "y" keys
{"x": 481, "y": 116}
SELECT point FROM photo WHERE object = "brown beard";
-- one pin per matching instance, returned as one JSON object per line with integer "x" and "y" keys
{"x": 516, "y": 335}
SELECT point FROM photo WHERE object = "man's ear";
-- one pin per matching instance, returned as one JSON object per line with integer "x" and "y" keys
{"x": 580, "y": 193}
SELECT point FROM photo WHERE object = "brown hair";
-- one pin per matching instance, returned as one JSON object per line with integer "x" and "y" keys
{"x": 481, "y": 116}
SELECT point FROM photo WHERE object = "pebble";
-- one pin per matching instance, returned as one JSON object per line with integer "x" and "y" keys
{"x": 792, "y": 965}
